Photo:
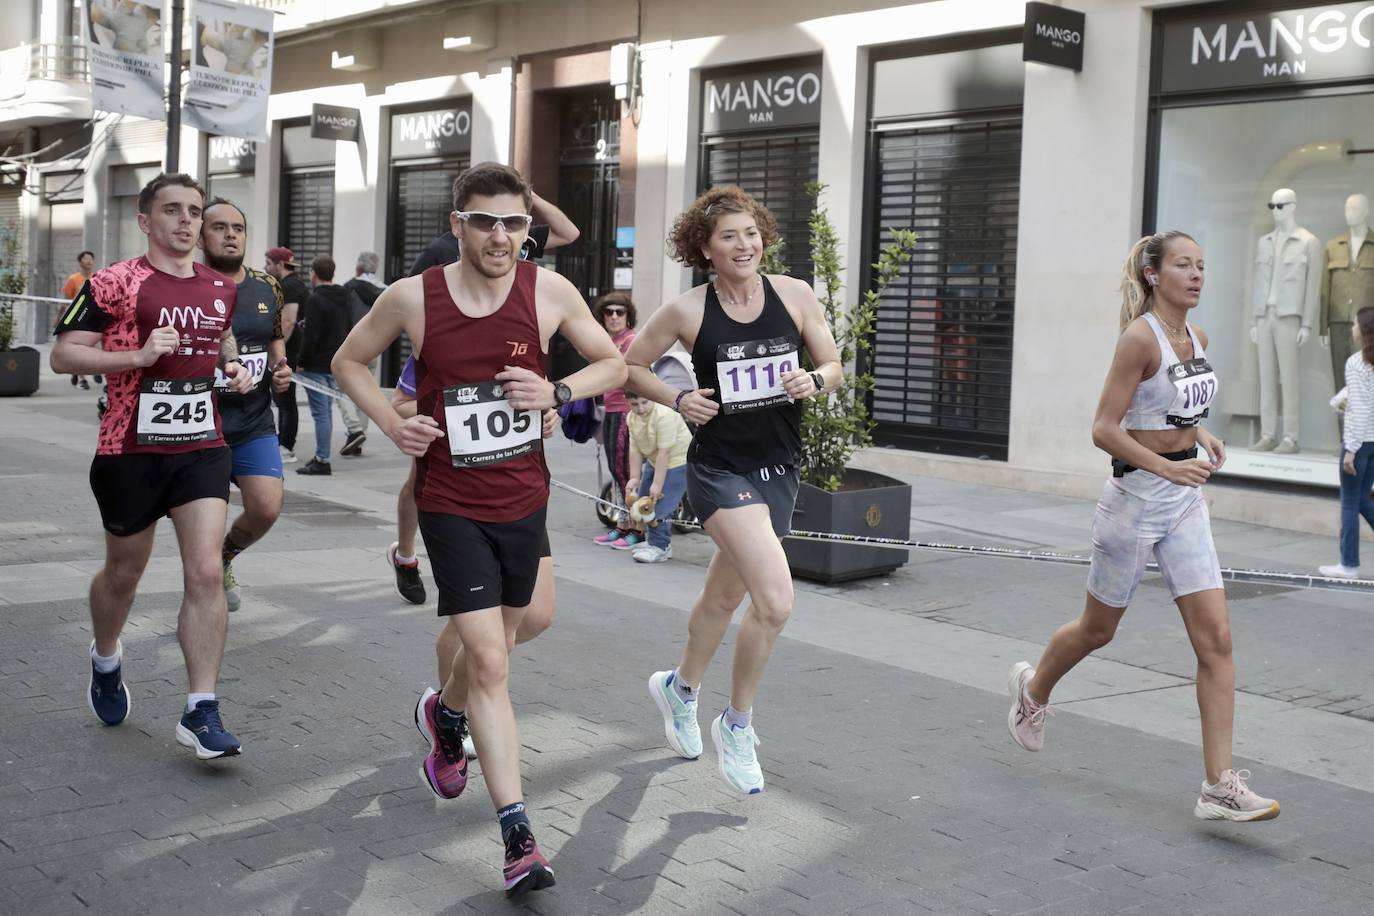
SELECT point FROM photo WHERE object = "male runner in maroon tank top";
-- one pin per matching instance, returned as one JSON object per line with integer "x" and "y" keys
{"x": 481, "y": 330}
{"x": 157, "y": 327}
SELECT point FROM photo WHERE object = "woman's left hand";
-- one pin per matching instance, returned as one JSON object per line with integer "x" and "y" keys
{"x": 1214, "y": 447}
{"x": 1348, "y": 463}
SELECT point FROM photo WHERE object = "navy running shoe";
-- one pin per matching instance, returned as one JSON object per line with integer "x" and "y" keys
{"x": 202, "y": 730}
{"x": 108, "y": 696}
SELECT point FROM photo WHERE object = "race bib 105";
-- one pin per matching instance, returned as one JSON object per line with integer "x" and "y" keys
{"x": 483, "y": 427}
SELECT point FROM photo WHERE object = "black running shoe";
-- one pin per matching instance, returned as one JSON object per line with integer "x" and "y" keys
{"x": 353, "y": 445}
{"x": 108, "y": 696}
{"x": 201, "y": 730}
{"x": 315, "y": 466}
{"x": 408, "y": 583}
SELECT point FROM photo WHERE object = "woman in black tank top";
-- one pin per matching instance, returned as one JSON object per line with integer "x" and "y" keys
{"x": 746, "y": 333}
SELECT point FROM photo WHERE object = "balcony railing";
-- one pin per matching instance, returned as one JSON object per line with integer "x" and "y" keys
{"x": 49, "y": 60}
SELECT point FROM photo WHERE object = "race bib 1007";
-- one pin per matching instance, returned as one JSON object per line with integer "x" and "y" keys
{"x": 175, "y": 411}
{"x": 483, "y": 427}
{"x": 750, "y": 374}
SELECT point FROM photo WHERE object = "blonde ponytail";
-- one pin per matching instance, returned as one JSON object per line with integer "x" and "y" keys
{"x": 1136, "y": 293}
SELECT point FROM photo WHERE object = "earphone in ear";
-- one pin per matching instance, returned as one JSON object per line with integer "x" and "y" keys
{"x": 1154, "y": 281}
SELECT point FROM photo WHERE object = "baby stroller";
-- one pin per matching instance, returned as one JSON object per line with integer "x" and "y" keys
{"x": 674, "y": 368}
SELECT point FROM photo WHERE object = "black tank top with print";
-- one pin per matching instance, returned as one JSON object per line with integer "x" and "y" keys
{"x": 758, "y": 424}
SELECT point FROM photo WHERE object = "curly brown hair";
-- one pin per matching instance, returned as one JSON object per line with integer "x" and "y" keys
{"x": 615, "y": 297}
{"x": 693, "y": 228}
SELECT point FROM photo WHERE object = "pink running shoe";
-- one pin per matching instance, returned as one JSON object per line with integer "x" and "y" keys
{"x": 1231, "y": 800}
{"x": 526, "y": 868}
{"x": 627, "y": 541}
{"x": 445, "y": 769}
{"x": 1026, "y": 721}
{"x": 605, "y": 540}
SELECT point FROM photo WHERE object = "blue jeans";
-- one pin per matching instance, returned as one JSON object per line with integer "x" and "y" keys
{"x": 674, "y": 485}
{"x": 1356, "y": 501}
{"x": 322, "y": 410}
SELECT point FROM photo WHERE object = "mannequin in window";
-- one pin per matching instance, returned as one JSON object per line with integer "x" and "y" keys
{"x": 1287, "y": 278}
{"x": 1347, "y": 284}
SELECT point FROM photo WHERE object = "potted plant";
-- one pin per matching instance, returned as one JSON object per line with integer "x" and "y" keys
{"x": 833, "y": 497}
{"x": 18, "y": 365}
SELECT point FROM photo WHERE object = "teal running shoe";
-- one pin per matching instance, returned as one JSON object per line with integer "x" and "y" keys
{"x": 735, "y": 752}
{"x": 679, "y": 718}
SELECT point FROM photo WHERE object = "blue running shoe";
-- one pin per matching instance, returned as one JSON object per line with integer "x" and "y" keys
{"x": 679, "y": 718}
{"x": 202, "y": 730}
{"x": 735, "y": 753}
{"x": 108, "y": 696}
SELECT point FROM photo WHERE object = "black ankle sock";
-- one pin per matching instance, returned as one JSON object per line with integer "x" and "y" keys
{"x": 449, "y": 718}
{"x": 230, "y": 549}
{"x": 512, "y": 816}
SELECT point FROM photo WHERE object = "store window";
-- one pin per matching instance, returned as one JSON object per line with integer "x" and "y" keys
{"x": 1237, "y": 129}
{"x": 229, "y": 166}
{"x": 945, "y": 161}
{"x": 429, "y": 148}
{"x": 307, "y": 197}
{"x": 126, "y": 181}
{"x": 761, "y": 130}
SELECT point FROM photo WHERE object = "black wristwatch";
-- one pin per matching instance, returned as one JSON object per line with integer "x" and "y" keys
{"x": 818, "y": 380}
{"x": 562, "y": 394}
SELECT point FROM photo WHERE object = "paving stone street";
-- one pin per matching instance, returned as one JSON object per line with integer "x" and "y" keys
{"x": 893, "y": 786}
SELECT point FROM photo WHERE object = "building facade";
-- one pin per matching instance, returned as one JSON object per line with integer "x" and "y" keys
{"x": 1027, "y": 182}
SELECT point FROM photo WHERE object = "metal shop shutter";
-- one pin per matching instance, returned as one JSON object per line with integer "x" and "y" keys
{"x": 775, "y": 169}
{"x": 421, "y": 200}
{"x": 308, "y": 223}
{"x": 943, "y": 342}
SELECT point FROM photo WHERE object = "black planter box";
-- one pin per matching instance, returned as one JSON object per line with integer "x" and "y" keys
{"x": 18, "y": 371}
{"x": 871, "y": 504}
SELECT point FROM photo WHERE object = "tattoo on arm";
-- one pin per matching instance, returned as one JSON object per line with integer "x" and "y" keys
{"x": 228, "y": 348}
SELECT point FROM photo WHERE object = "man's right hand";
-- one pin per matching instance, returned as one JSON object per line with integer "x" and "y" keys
{"x": 415, "y": 434}
{"x": 162, "y": 341}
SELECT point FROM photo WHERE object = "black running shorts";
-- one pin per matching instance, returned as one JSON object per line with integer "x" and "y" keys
{"x": 483, "y": 564}
{"x": 134, "y": 491}
{"x": 711, "y": 488}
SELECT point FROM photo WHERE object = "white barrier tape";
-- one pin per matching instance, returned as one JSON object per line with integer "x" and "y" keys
{"x": 1257, "y": 576}
{"x": 55, "y": 299}
{"x": 330, "y": 392}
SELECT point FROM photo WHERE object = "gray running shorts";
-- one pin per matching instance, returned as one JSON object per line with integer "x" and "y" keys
{"x": 710, "y": 488}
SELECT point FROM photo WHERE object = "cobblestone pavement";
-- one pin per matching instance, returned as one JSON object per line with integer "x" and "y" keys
{"x": 892, "y": 784}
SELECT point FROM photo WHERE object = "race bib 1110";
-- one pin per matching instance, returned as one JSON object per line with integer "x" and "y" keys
{"x": 750, "y": 374}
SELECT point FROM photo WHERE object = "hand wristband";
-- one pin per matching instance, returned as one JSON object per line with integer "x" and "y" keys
{"x": 677, "y": 405}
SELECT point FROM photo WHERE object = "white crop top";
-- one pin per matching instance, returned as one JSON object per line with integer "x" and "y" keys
{"x": 1179, "y": 394}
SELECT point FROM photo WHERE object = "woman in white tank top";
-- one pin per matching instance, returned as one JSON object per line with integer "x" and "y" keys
{"x": 1159, "y": 389}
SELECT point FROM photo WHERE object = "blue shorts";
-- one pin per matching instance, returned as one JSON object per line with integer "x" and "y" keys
{"x": 260, "y": 457}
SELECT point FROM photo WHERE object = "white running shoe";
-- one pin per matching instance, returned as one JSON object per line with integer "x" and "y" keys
{"x": 679, "y": 718}
{"x": 1232, "y": 800}
{"x": 735, "y": 754}
{"x": 1339, "y": 571}
{"x": 1026, "y": 720}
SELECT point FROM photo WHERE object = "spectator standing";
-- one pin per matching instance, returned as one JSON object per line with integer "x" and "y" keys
{"x": 281, "y": 264}
{"x": 367, "y": 286}
{"x": 323, "y": 330}
{"x": 86, "y": 262}
{"x": 658, "y": 469}
{"x": 616, "y": 313}
{"x": 1357, "y": 456}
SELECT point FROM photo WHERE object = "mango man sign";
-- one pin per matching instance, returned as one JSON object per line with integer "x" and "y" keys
{"x": 787, "y": 96}
{"x": 434, "y": 132}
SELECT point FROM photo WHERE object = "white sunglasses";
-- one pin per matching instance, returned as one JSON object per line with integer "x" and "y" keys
{"x": 483, "y": 221}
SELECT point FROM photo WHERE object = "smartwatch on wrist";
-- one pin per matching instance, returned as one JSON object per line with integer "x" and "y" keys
{"x": 818, "y": 380}
{"x": 562, "y": 394}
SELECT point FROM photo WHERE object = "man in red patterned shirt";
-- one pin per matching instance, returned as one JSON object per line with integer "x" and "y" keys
{"x": 159, "y": 326}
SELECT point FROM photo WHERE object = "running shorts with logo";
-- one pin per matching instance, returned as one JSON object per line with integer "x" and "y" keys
{"x": 483, "y": 487}
{"x": 249, "y": 427}
{"x": 709, "y": 489}
{"x": 1141, "y": 514}
{"x": 162, "y": 416}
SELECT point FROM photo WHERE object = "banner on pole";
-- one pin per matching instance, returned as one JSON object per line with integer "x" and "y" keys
{"x": 124, "y": 51}
{"x": 231, "y": 69}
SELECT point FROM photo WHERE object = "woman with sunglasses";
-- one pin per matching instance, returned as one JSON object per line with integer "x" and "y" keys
{"x": 746, "y": 332}
{"x": 616, "y": 312}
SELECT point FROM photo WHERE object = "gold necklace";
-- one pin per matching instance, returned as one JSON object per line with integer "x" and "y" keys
{"x": 747, "y": 299}
{"x": 1179, "y": 335}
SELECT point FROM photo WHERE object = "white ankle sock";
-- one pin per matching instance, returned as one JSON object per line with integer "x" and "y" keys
{"x": 403, "y": 560}
{"x": 193, "y": 698}
{"x": 106, "y": 664}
